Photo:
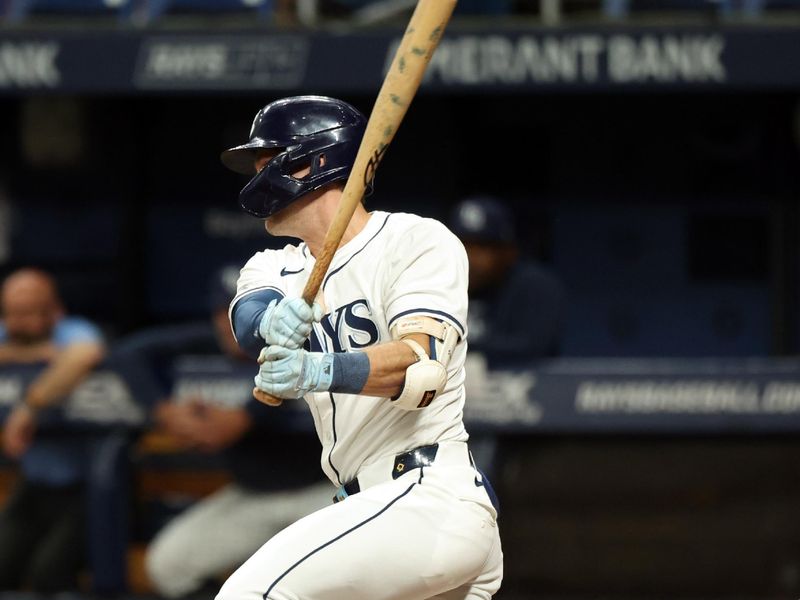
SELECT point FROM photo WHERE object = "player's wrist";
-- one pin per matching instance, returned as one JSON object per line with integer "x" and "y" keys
{"x": 350, "y": 372}
{"x": 321, "y": 374}
{"x": 341, "y": 372}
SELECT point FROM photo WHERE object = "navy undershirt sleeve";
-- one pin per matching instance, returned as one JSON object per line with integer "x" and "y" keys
{"x": 246, "y": 316}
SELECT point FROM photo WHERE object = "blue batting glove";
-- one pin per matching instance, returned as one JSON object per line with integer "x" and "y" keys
{"x": 288, "y": 323}
{"x": 292, "y": 373}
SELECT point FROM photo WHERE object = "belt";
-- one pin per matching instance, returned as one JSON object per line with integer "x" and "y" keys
{"x": 454, "y": 453}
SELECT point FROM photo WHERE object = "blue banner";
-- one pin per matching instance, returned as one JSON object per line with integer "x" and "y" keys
{"x": 639, "y": 396}
{"x": 509, "y": 59}
{"x": 665, "y": 396}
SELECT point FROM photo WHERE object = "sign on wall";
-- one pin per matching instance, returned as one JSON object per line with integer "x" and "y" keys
{"x": 513, "y": 59}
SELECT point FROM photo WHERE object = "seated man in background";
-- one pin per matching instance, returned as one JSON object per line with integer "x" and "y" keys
{"x": 42, "y": 526}
{"x": 515, "y": 305}
{"x": 275, "y": 475}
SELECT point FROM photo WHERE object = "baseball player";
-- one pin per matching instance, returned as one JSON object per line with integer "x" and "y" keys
{"x": 379, "y": 357}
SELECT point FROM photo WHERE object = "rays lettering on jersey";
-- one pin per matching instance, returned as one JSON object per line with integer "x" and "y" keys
{"x": 347, "y": 327}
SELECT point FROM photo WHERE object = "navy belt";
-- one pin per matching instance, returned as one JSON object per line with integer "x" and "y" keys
{"x": 407, "y": 461}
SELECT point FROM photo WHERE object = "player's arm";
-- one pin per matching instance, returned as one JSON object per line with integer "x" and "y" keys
{"x": 411, "y": 370}
{"x": 246, "y": 314}
{"x": 30, "y": 353}
{"x": 425, "y": 300}
{"x": 70, "y": 365}
{"x": 261, "y": 315}
{"x": 388, "y": 364}
{"x": 379, "y": 371}
{"x": 265, "y": 317}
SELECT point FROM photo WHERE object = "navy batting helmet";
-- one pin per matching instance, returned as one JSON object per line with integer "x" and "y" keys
{"x": 303, "y": 129}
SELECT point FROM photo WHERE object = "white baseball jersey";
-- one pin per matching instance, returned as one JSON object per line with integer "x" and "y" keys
{"x": 399, "y": 264}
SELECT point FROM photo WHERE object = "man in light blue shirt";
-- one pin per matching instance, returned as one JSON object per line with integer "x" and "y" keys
{"x": 41, "y": 526}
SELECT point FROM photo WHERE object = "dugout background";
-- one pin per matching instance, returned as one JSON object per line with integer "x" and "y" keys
{"x": 671, "y": 216}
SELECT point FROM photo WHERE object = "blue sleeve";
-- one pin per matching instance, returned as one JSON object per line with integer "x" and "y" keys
{"x": 246, "y": 315}
{"x": 71, "y": 330}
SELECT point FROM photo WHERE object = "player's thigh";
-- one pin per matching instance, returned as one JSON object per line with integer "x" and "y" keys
{"x": 396, "y": 541}
{"x": 485, "y": 584}
{"x": 287, "y": 506}
{"x": 212, "y": 535}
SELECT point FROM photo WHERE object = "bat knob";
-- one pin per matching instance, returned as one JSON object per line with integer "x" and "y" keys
{"x": 266, "y": 398}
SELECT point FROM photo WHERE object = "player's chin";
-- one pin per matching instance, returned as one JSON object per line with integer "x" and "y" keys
{"x": 272, "y": 227}
{"x": 277, "y": 224}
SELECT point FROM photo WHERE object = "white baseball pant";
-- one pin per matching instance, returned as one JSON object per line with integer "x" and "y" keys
{"x": 429, "y": 534}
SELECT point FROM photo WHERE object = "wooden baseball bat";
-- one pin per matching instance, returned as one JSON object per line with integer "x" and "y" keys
{"x": 405, "y": 74}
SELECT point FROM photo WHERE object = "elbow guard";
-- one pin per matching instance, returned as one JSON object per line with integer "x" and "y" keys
{"x": 426, "y": 378}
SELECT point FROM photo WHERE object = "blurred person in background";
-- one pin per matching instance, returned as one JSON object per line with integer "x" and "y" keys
{"x": 42, "y": 532}
{"x": 501, "y": 280}
{"x": 216, "y": 534}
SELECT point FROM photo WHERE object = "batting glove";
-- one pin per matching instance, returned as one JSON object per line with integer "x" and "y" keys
{"x": 288, "y": 323}
{"x": 292, "y": 373}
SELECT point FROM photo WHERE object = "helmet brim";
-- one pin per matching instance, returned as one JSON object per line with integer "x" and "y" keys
{"x": 241, "y": 159}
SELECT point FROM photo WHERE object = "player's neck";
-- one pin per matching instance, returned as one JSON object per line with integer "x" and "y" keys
{"x": 315, "y": 239}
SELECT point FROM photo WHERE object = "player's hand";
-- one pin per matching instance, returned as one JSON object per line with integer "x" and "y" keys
{"x": 19, "y": 431}
{"x": 292, "y": 373}
{"x": 220, "y": 427}
{"x": 288, "y": 323}
{"x": 179, "y": 421}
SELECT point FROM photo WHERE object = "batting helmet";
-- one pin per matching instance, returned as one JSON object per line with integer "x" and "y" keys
{"x": 303, "y": 129}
